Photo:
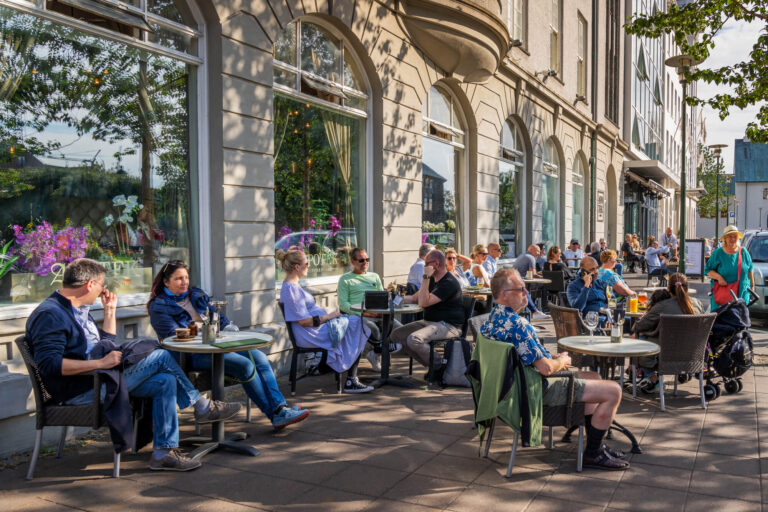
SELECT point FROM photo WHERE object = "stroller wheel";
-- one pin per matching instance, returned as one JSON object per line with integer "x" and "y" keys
{"x": 731, "y": 386}
{"x": 741, "y": 385}
{"x": 683, "y": 378}
{"x": 710, "y": 392}
{"x": 718, "y": 390}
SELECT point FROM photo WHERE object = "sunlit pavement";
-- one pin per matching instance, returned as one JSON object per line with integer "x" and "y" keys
{"x": 415, "y": 449}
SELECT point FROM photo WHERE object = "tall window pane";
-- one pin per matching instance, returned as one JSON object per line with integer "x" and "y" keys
{"x": 577, "y": 222}
{"x": 511, "y": 176}
{"x": 94, "y": 157}
{"x": 550, "y": 195}
{"x": 442, "y": 152}
{"x": 319, "y": 150}
{"x": 581, "y": 58}
{"x": 555, "y": 29}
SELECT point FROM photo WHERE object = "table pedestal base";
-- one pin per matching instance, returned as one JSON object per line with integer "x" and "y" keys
{"x": 609, "y": 435}
{"x": 230, "y": 443}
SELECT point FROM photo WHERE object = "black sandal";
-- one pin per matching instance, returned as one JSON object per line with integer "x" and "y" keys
{"x": 606, "y": 462}
{"x": 614, "y": 452}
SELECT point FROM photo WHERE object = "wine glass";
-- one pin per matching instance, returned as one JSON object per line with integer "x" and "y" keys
{"x": 591, "y": 319}
{"x": 654, "y": 281}
{"x": 608, "y": 295}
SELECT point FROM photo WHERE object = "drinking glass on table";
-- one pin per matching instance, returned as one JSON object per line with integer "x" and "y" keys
{"x": 591, "y": 319}
{"x": 654, "y": 281}
{"x": 642, "y": 297}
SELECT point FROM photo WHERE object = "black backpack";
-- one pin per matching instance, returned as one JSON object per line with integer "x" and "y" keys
{"x": 736, "y": 356}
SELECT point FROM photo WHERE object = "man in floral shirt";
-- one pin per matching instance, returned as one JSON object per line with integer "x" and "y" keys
{"x": 602, "y": 397}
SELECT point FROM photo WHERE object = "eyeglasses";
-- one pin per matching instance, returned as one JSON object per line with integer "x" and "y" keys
{"x": 174, "y": 263}
{"x": 363, "y": 260}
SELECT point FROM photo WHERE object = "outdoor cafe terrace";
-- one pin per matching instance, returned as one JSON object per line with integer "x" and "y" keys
{"x": 416, "y": 449}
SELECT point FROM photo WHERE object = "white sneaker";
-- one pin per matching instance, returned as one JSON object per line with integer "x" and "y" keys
{"x": 538, "y": 315}
{"x": 375, "y": 360}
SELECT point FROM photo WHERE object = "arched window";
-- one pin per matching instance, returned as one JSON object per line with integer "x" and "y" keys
{"x": 550, "y": 194}
{"x": 320, "y": 115}
{"x": 511, "y": 188}
{"x": 96, "y": 140}
{"x": 577, "y": 220}
{"x": 441, "y": 165}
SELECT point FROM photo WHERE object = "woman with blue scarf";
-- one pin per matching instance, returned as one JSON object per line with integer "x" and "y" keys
{"x": 173, "y": 304}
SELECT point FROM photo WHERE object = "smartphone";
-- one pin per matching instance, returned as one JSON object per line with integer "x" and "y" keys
{"x": 397, "y": 300}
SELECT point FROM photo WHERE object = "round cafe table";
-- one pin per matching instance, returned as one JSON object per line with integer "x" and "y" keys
{"x": 251, "y": 340}
{"x": 386, "y": 322}
{"x": 603, "y": 349}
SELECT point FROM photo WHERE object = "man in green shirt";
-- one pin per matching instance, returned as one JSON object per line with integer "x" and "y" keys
{"x": 351, "y": 290}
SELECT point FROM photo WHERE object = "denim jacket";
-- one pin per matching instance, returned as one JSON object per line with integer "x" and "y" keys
{"x": 587, "y": 298}
{"x": 166, "y": 315}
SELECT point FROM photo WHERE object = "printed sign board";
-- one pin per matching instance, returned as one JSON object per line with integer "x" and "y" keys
{"x": 694, "y": 257}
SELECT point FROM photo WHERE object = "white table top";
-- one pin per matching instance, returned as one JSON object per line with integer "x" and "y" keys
{"x": 602, "y": 346}
{"x": 607, "y": 311}
{"x": 196, "y": 345}
{"x": 537, "y": 280}
{"x": 484, "y": 290}
{"x": 402, "y": 309}
{"x": 651, "y": 289}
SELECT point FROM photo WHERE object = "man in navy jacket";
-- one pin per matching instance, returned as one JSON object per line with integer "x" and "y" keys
{"x": 62, "y": 334}
{"x": 587, "y": 292}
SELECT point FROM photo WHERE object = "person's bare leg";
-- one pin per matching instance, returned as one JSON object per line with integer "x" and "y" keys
{"x": 607, "y": 397}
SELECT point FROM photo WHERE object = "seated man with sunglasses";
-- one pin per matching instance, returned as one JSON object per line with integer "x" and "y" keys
{"x": 351, "y": 290}
{"x": 602, "y": 397}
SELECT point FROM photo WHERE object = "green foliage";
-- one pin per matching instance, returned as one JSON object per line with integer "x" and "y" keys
{"x": 744, "y": 80}
{"x": 7, "y": 261}
{"x": 708, "y": 180}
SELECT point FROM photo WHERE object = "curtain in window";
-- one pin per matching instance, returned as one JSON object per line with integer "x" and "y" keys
{"x": 338, "y": 129}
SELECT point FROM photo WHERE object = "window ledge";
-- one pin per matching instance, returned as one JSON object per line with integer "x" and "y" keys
{"x": 24, "y": 310}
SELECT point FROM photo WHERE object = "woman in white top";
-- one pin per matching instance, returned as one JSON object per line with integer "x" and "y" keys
{"x": 451, "y": 258}
{"x": 477, "y": 275}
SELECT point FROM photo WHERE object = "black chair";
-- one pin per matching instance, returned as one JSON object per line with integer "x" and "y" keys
{"x": 564, "y": 302}
{"x": 50, "y": 414}
{"x": 469, "y": 310}
{"x": 557, "y": 285}
{"x": 303, "y": 350}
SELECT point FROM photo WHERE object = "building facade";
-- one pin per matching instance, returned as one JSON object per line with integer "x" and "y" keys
{"x": 655, "y": 132}
{"x": 749, "y": 186}
{"x": 219, "y": 132}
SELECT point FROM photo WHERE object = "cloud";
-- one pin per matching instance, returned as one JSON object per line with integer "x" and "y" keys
{"x": 732, "y": 45}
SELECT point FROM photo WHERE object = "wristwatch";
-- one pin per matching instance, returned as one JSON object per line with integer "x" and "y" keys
{"x": 425, "y": 276}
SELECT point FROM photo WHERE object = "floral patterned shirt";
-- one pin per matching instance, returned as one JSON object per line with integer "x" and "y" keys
{"x": 505, "y": 325}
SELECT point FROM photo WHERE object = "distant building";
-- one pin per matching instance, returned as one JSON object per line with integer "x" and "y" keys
{"x": 750, "y": 185}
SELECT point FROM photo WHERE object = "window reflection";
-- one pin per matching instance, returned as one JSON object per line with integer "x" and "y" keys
{"x": 94, "y": 149}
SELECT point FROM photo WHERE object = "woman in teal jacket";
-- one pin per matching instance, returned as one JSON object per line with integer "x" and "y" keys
{"x": 723, "y": 265}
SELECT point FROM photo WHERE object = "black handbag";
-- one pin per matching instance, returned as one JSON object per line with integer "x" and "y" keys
{"x": 376, "y": 300}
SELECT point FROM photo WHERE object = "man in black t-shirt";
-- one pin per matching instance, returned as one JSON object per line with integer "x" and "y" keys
{"x": 443, "y": 310}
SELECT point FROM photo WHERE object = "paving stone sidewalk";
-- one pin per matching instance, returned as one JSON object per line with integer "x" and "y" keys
{"x": 414, "y": 449}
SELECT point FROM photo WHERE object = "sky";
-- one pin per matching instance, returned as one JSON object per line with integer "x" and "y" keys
{"x": 732, "y": 44}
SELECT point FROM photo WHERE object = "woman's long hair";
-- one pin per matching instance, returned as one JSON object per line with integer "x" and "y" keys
{"x": 553, "y": 251}
{"x": 678, "y": 288}
{"x": 165, "y": 273}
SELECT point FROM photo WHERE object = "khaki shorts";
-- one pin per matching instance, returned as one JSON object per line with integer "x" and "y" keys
{"x": 556, "y": 392}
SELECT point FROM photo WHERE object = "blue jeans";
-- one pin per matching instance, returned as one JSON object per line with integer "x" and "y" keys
{"x": 252, "y": 369}
{"x": 157, "y": 376}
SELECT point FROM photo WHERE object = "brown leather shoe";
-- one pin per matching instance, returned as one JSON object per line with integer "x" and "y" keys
{"x": 604, "y": 461}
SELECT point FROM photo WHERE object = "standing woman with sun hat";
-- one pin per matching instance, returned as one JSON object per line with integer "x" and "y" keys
{"x": 730, "y": 265}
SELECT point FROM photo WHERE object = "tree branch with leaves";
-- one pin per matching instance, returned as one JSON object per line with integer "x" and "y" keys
{"x": 745, "y": 81}
{"x": 708, "y": 179}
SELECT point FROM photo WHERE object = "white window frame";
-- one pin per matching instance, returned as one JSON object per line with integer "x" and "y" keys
{"x": 297, "y": 95}
{"x": 555, "y": 39}
{"x": 581, "y": 56}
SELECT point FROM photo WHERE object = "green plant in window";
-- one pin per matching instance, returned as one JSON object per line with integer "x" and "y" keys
{"x": 126, "y": 208}
{"x": 7, "y": 260}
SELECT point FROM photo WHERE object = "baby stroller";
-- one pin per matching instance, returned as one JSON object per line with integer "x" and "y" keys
{"x": 729, "y": 347}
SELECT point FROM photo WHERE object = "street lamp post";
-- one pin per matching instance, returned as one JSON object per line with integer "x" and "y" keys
{"x": 718, "y": 148}
{"x": 682, "y": 63}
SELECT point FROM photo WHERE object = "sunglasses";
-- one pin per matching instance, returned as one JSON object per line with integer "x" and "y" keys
{"x": 174, "y": 263}
{"x": 450, "y": 257}
{"x": 483, "y": 254}
{"x": 364, "y": 260}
